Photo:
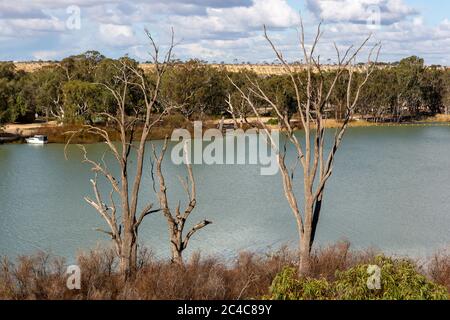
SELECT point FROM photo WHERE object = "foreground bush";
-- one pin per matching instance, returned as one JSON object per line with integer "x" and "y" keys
{"x": 337, "y": 273}
{"x": 439, "y": 268}
{"x": 400, "y": 280}
{"x": 43, "y": 277}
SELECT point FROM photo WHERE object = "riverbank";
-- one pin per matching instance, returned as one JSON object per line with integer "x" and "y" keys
{"x": 440, "y": 119}
{"x": 9, "y": 137}
{"x": 58, "y": 133}
{"x": 250, "y": 276}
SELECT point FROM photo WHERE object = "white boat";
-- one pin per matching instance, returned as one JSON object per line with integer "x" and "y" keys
{"x": 39, "y": 139}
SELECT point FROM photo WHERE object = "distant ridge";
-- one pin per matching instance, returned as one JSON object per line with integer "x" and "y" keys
{"x": 261, "y": 69}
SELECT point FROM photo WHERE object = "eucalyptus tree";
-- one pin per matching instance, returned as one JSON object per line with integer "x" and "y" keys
{"x": 48, "y": 90}
{"x": 196, "y": 87}
{"x": 9, "y": 87}
{"x": 237, "y": 107}
{"x": 379, "y": 97}
{"x": 408, "y": 92}
{"x": 280, "y": 90}
{"x": 446, "y": 93}
{"x": 124, "y": 218}
{"x": 82, "y": 101}
{"x": 432, "y": 87}
{"x": 314, "y": 157}
{"x": 82, "y": 66}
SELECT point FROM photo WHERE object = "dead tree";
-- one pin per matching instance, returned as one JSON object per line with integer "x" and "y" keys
{"x": 176, "y": 221}
{"x": 316, "y": 161}
{"x": 231, "y": 110}
{"x": 124, "y": 219}
{"x": 60, "y": 112}
{"x": 236, "y": 112}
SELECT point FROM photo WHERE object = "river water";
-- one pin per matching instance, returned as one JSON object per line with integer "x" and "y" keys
{"x": 390, "y": 190}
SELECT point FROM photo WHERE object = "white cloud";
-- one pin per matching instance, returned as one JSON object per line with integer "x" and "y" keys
{"x": 117, "y": 35}
{"x": 47, "y": 54}
{"x": 29, "y": 27}
{"x": 360, "y": 11}
{"x": 214, "y": 29}
{"x": 236, "y": 22}
{"x": 274, "y": 13}
{"x": 199, "y": 50}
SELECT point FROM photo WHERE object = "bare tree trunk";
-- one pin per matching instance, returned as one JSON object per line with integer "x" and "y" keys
{"x": 176, "y": 246}
{"x": 306, "y": 234}
{"x": 124, "y": 230}
{"x": 128, "y": 258}
{"x": 231, "y": 111}
{"x": 176, "y": 221}
{"x": 304, "y": 266}
{"x": 310, "y": 153}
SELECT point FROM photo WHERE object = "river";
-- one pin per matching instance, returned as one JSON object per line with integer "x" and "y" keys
{"x": 390, "y": 190}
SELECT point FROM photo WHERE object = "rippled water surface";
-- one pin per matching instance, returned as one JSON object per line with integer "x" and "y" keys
{"x": 390, "y": 190}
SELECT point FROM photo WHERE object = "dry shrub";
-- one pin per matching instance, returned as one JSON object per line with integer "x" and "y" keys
{"x": 337, "y": 257}
{"x": 35, "y": 277}
{"x": 249, "y": 275}
{"x": 99, "y": 280}
{"x": 439, "y": 268}
{"x": 43, "y": 277}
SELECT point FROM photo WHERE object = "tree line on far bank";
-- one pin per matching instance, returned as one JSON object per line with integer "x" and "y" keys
{"x": 70, "y": 91}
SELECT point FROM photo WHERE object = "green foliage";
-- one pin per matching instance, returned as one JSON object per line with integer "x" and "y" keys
{"x": 399, "y": 281}
{"x": 196, "y": 87}
{"x": 406, "y": 89}
{"x": 281, "y": 90}
{"x": 81, "y": 100}
{"x": 286, "y": 286}
{"x": 82, "y": 67}
{"x": 273, "y": 122}
{"x": 8, "y": 89}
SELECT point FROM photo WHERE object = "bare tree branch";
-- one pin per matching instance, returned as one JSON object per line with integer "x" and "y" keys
{"x": 317, "y": 167}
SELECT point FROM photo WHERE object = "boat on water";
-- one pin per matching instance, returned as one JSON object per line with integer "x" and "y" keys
{"x": 38, "y": 139}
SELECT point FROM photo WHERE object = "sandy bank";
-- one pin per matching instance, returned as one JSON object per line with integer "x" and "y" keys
{"x": 56, "y": 132}
{"x": 27, "y": 129}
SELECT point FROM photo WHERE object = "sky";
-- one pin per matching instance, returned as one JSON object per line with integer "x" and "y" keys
{"x": 222, "y": 30}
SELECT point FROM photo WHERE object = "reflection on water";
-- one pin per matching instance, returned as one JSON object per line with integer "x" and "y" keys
{"x": 390, "y": 190}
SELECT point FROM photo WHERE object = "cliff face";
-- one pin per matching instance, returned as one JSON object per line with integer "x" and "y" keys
{"x": 148, "y": 67}
{"x": 31, "y": 66}
{"x": 257, "y": 68}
